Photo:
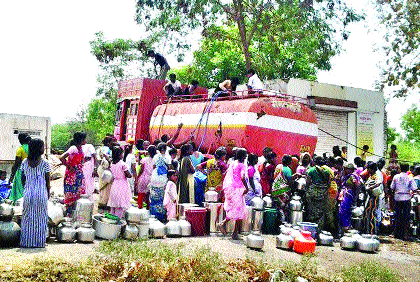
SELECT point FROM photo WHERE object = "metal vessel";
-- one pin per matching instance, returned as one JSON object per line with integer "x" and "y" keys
{"x": 84, "y": 210}
{"x": 216, "y": 215}
{"x": 268, "y": 202}
{"x": 183, "y": 207}
{"x": 254, "y": 241}
{"x": 172, "y": 228}
{"x": 55, "y": 212}
{"x": 85, "y": 233}
{"x": 9, "y": 233}
{"x": 156, "y": 229}
{"x": 348, "y": 243}
{"x": 66, "y": 233}
{"x": 325, "y": 238}
{"x": 284, "y": 241}
{"x": 211, "y": 196}
{"x": 136, "y": 215}
{"x": 131, "y": 232}
{"x": 185, "y": 227}
{"x": 108, "y": 231}
{"x": 367, "y": 243}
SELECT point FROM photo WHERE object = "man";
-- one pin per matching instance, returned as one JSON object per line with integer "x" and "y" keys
{"x": 402, "y": 185}
{"x": 365, "y": 152}
{"x": 161, "y": 61}
{"x": 254, "y": 82}
{"x": 173, "y": 87}
{"x": 190, "y": 89}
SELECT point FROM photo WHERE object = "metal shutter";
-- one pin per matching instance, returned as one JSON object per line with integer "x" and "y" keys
{"x": 335, "y": 123}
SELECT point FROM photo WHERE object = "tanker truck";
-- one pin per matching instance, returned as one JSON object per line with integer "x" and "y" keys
{"x": 251, "y": 121}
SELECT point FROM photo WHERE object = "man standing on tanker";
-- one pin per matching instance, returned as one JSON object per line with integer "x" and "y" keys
{"x": 161, "y": 61}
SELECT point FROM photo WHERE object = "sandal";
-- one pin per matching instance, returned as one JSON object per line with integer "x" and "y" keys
{"x": 221, "y": 228}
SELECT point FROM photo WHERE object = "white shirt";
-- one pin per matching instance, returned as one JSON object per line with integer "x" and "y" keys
{"x": 175, "y": 84}
{"x": 131, "y": 159}
{"x": 255, "y": 83}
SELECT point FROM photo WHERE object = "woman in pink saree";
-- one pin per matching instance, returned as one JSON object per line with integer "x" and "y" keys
{"x": 235, "y": 188}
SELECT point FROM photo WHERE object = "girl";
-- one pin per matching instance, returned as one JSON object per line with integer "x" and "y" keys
{"x": 253, "y": 180}
{"x": 186, "y": 180}
{"x": 144, "y": 176}
{"x": 158, "y": 183}
{"x": 22, "y": 153}
{"x": 131, "y": 162}
{"x": 234, "y": 187}
{"x": 170, "y": 198}
{"x": 36, "y": 182}
{"x": 89, "y": 168}
{"x": 267, "y": 173}
{"x": 120, "y": 194}
{"x": 74, "y": 180}
{"x": 105, "y": 157}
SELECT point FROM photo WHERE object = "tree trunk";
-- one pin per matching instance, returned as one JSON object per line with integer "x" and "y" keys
{"x": 242, "y": 32}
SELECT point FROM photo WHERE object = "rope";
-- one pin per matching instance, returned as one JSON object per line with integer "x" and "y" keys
{"x": 207, "y": 120}
{"x": 357, "y": 147}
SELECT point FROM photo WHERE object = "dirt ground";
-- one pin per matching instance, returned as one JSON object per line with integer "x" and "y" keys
{"x": 403, "y": 257}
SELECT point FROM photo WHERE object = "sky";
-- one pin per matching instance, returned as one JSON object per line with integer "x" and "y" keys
{"x": 47, "y": 68}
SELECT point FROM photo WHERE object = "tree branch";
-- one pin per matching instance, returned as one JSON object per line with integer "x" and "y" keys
{"x": 257, "y": 21}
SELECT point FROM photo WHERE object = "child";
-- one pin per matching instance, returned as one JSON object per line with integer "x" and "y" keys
{"x": 4, "y": 185}
{"x": 36, "y": 183}
{"x": 120, "y": 194}
{"x": 143, "y": 177}
{"x": 253, "y": 180}
{"x": 171, "y": 196}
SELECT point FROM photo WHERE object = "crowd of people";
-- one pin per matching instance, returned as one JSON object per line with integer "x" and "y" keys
{"x": 162, "y": 175}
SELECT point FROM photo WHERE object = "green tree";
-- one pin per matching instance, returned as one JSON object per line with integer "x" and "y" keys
{"x": 173, "y": 20}
{"x": 411, "y": 124}
{"x": 392, "y": 135}
{"x": 401, "y": 19}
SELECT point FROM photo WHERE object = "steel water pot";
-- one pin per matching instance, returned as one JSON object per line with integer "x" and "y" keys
{"x": 325, "y": 238}
{"x": 211, "y": 196}
{"x": 136, "y": 215}
{"x": 55, "y": 212}
{"x": 9, "y": 233}
{"x": 104, "y": 230}
{"x": 157, "y": 229}
{"x": 85, "y": 233}
{"x": 254, "y": 241}
{"x": 268, "y": 202}
{"x": 295, "y": 203}
{"x": 6, "y": 212}
{"x": 348, "y": 243}
{"x": 172, "y": 228}
{"x": 66, "y": 232}
{"x": 84, "y": 210}
{"x": 257, "y": 203}
{"x": 185, "y": 227}
{"x": 367, "y": 243}
{"x": 131, "y": 232}
{"x": 284, "y": 241}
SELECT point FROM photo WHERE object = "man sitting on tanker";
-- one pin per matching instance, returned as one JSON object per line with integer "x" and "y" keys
{"x": 226, "y": 87}
{"x": 255, "y": 84}
{"x": 173, "y": 87}
{"x": 190, "y": 89}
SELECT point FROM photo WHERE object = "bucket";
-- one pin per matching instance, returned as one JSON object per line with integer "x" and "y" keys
{"x": 270, "y": 222}
{"x": 197, "y": 218}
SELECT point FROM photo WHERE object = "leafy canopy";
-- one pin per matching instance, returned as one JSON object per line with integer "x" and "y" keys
{"x": 411, "y": 124}
{"x": 401, "y": 19}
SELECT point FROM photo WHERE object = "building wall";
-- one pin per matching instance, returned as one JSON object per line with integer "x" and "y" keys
{"x": 12, "y": 125}
{"x": 370, "y": 105}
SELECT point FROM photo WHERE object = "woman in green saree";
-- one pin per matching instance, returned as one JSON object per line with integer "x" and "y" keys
{"x": 22, "y": 153}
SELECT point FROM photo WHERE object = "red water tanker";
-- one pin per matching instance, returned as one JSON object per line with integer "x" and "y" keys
{"x": 281, "y": 122}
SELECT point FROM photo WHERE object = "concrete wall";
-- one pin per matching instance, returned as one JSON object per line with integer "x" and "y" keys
{"x": 368, "y": 102}
{"x": 11, "y": 125}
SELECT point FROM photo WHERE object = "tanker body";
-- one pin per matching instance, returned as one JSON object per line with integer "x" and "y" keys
{"x": 287, "y": 126}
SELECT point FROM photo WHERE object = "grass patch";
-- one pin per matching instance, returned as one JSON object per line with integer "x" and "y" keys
{"x": 369, "y": 271}
{"x": 51, "y": 270}
{"x": 142, "y": 261}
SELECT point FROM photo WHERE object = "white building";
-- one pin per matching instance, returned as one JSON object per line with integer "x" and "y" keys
{"x": 347, "y": 116}
{"x": 12, "y": 125}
